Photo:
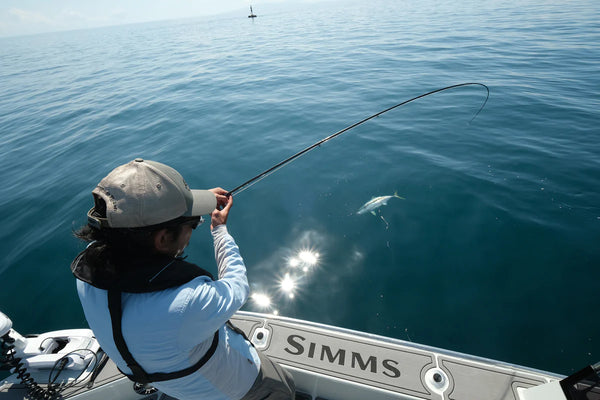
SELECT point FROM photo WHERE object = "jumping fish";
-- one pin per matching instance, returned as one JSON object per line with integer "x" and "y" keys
{"x": 375, "y": 203}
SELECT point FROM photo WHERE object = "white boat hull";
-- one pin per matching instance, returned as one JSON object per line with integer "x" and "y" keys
{"x": 339, "y": 364}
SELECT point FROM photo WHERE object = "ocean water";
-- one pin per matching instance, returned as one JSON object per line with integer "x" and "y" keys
{"x": 495, "y": 248}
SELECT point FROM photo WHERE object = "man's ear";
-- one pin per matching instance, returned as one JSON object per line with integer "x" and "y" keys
{"x": 163, "y": 241}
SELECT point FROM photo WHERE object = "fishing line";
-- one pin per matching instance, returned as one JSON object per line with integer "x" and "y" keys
{"x": 275, "y": 167}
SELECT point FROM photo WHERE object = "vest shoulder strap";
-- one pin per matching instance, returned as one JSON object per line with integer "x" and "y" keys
{"x": 139, "y": 375}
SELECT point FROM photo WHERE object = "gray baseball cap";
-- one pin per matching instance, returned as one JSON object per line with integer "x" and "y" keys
{"x": 143, "y": 193}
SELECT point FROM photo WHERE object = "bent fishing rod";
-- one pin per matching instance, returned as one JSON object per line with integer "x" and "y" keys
{"x": 279, "y": 165}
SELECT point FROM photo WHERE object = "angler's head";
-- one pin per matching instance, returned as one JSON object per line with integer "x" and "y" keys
{"x": 147, "y": 196}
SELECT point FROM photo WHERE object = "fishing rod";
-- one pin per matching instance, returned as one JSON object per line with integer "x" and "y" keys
{"x": 275, "y": 167}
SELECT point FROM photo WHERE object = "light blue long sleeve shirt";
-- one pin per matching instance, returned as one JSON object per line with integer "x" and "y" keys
{"x": 172, "y": 329}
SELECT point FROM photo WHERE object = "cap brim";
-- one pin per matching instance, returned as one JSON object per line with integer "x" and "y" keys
{"x": 204, "y": 203}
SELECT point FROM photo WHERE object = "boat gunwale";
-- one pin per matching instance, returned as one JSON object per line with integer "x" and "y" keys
{"x": 489, "y": 362}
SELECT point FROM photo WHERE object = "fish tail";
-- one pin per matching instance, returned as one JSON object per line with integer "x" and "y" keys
{"x": 396, "y": 195}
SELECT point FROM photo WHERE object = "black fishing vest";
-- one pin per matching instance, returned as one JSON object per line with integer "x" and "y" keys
{"x": 139, "y": 275}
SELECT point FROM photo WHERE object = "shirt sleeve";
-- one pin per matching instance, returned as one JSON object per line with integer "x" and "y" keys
{"x": 213, "y": 303}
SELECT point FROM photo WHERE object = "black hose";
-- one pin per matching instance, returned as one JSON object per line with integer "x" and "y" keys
{"x": 35, "y": 391}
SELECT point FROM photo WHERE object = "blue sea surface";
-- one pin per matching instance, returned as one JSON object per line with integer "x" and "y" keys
{"x": 494, "y": 250}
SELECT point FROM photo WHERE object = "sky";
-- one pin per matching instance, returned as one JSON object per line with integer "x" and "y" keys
{"x": 24, "y": 17}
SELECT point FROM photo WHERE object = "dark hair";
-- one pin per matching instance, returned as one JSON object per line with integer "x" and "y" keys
{"x": 125, "y": 241}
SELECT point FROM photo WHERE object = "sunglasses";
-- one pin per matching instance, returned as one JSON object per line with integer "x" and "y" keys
{"x": 193, "y": 222}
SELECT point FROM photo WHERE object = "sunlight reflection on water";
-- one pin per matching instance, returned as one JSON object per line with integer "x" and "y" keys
{"x": 294, "y": 273}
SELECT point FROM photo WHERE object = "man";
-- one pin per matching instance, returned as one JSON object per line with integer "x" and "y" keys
{"x": 163, "y": 320}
